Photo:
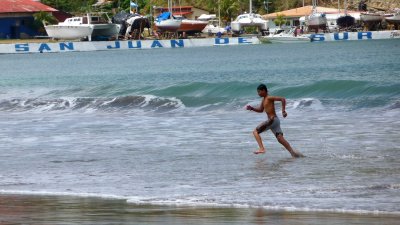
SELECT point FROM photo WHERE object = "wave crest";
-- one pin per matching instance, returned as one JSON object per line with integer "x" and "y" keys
{"x": 146, "y": 102}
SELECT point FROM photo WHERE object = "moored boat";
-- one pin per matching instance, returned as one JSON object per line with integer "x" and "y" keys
{"x": 104, "y": 28}
{"x": 371, "y": 17}
{"x": 213, "y": 24}
{"x": 316, "y": 20}
{"x": 394, "y": 18}
{"x": 71, "y": 28}
{"x": 83, "y": 27}
{"x": 249, "y": 20}
{"x": 167, "y": 22}
{"x": 192, "y": 26}
{"x": 289, "y": 36}
{"x": 213, "y": 27}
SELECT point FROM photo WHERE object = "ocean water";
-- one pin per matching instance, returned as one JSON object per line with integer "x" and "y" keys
{"x": 168, "y": 126}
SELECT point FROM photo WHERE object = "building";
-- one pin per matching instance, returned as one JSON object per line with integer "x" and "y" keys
{"x": 296, "y": 17}
{"x": 16, "y": 18}
{"x": 188, "y": 12}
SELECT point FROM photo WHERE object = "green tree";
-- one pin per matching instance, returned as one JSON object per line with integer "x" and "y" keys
{"x": 280, "y": 20}
{"x": 41, "y": 19}
{"x": 71, "y": 6}
{"x": 44, "y": 18}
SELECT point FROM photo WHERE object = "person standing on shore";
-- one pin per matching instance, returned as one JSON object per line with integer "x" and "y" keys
{"x": 273, "y": 122}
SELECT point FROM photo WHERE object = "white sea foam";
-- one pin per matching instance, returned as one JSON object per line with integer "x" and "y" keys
{"x": 310, "y": 103}
{"x": 198, "y": 203}
{"x": 71, "y": 194}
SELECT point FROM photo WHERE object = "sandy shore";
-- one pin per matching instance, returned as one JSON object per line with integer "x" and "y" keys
{"x": 26, "y": 209}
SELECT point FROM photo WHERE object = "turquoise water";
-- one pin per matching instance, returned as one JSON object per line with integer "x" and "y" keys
{"x": 168, "y": 126}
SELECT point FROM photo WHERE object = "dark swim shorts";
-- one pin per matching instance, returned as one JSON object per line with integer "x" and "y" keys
{"x": 274, "y": 125}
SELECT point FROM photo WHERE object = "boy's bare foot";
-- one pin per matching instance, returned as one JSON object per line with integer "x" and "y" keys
{"x": 297, "y": 154}
{"x": 260, "y": 151}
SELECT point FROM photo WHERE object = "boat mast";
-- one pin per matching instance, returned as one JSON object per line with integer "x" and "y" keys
{"x": 251, "y": 6}
{"x": 170, "y": 7}
{"x": 219, "y": 13}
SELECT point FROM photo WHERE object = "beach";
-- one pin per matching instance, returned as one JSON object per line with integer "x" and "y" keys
{"x": 44, "y": 209}
{"x": 163, "y": 136}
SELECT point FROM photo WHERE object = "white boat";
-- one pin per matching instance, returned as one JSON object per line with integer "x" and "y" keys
{"x": 249, "y": 20}
{"x": 288, "y": 36}
{"x": 213, "y": 25}
{"x": 316, "y": 19}
{"x": 82, "y": 27}
{"x": 166, "y": 21}
{"x": 371, "y": 17}
{"x": 394, "y": 18}
{"x": 71, "y": 28}
{"x": 103, "y": 28}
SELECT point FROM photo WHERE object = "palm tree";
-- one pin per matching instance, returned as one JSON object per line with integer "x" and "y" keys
{"x": 280, "y": 20}
{"x": 45, "y": 18}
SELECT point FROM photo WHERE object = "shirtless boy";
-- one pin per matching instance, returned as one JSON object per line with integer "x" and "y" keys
{"x": 273, "y": 123}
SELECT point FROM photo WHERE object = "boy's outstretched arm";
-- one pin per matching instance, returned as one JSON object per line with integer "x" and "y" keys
{"x": 259, "y": 109}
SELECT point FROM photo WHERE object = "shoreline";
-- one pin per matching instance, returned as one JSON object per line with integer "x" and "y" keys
{"x": 52, "y": 209}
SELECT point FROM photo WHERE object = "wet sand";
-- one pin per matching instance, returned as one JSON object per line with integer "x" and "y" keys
{"x": 27, "y": 209}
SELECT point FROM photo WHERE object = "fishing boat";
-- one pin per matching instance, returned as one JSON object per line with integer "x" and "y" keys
{"x": 249, "y": 20}
{"x": 83, "y": 27}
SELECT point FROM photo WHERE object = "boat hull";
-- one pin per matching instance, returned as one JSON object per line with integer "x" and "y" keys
{"x": 237, "y": 26}
{"x": 69, "y": 32}
{"x": 211, "y": 29}
{"x": 368, "y": 17}
{"x": 168, "y": 25}
{"x": 106, "y": 29}
{"x": 249, "y": 20}
{"x": 192, "y": 26}
{"x": 317, "y": 20}
{"x": 287, "y": 39}
{"x": 393, "y": 19}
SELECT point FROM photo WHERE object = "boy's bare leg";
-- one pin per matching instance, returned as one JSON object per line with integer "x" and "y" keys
{"x": 286, "y": 144}
{"x": 259, "y": 142}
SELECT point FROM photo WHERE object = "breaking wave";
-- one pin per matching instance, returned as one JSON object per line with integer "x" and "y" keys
{"x": 308, "y": 103}
{"x": 147, "y": 102}
{"x": 316, "y": 95}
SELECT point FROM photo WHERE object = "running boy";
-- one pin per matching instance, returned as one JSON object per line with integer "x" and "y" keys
{"x": 273, "y": 123}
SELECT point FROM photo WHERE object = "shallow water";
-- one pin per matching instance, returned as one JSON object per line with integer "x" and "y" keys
{"x": 19, "y": 209}
{"x": 169, "y": 126}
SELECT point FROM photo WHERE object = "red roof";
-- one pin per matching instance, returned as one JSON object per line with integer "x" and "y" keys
{"x": 176, "y": 7}
{"x": 181, "y": 13}
{"x": 18, "y": 6}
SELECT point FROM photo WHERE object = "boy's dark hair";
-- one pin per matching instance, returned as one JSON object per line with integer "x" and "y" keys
{"x": 262, "y": 87}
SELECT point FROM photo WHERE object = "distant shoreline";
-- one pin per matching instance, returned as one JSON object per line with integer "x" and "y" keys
{"x": 50, "y": 46}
